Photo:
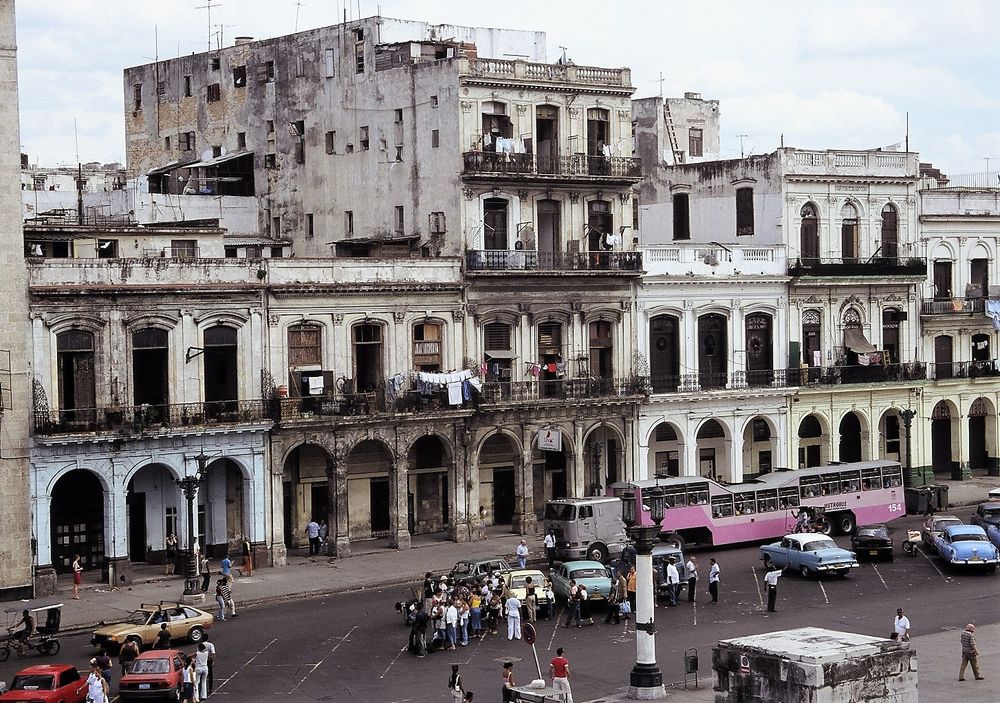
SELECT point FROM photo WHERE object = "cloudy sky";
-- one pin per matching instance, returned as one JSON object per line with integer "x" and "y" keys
{"x": 825, "y": 74}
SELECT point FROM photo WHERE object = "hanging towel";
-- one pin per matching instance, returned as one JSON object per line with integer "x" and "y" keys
{"x": 957, "y": 304}
{"x": 476, "y": 383}
{"x": 315, "y": 385}
{"x": 863, "y": 359}
{"x": 454, "y": 394}
{"x": 551, "y": 368}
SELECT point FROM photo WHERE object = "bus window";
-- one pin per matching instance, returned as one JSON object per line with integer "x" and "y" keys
{"x": 675, "y": 497}
{"x": 831, "y": 484}
{"x": 892, "y": 477}
{"x": 722, "y": 506}
{"x": 788, "y": 498}
{"x": 698, "y": 494}
{"x": 767, "y": 501}
{"x": 850, "y": 481}
{"x": 870, "y": 480}
{"x": 745, "y": 503}
{"x": 810, "y": 487}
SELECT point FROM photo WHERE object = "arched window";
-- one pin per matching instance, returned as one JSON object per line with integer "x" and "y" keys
{"x": 75, "y": 361}
{"x": 760, "y": 349}
{"x": 601, "y": 349}
{"x": 498, "y": 349}
{"x": 890, "y": 232}
{"x": 849, "y": 244}
{"x": 427, "y": 346}
{"x": 809, "y": 235}
{"x": 221, "y": 368}
{"x": 664, "y": 353}
{"x": 495, "y": 215}
{"x": 367, "y": 341}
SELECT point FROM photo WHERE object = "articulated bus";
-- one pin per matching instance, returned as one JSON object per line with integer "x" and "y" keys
{"x": 703, "y": 511}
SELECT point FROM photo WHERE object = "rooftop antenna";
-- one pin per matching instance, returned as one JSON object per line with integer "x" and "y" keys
{"x": 209, "y": 4}
{"x": 661, "y": 84}
{"x": 907, "y": 131}
{"x": 741, "y": 137}
{"x": 298, "y": 4}
{"x": 76, "y": 139}
{"x": 564, "y": 57}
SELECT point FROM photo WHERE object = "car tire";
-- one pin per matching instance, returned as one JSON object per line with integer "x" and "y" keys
{"x": 51, "y": 647}
{"x": 4, "y": 652}
{"x": 768, "y": 564}
{"x": 827, "y": 527}
{"x": 845, "y": 523}
{"x": 598, "y": 552}
{"x": 196, "y": 635}
{"x": 136, "y": 639}
{"x": 804, "y": 570}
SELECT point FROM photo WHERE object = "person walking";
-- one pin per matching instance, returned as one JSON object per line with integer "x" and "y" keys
{"x": 162, "y": 638}
{"x": 103, "y": 660}
{"x": 713, "y": 580}
{"x": 614, "y": 603}
{"x": 97, "y": 687}
{"x": 513, "y": 618}
{"x": 522, "y": 554}
{"x": 187, "y": 681}
{"x": 692, "y": 576}
{"x": 127, "y": 654}
{"x": 508, "y": 675}
{"x": 673, "y": 581}
{"x": 312, "y": 532}
{"x": 451, "y": 625}
{"x": 559, "y": 668}
{"x": 530, "y": 598}
{"x": 550, "y": 548}
{"x": 226, "y": 568}
{"x": 901, "y": 626}
{"x": 771, "y": 579}
{"x": 171, "y": 558}
{"x": 210, "y": 648}
{"x": 419, "y": 631}
{"x": 220, "y": 600}
{"x": 77, "y": 576}
{"x": 206, "y": 573}
{"x": 324, "y": 533}
{"x": 247, "y": 558}
{"x": 201, "y": 671}
{"x": 573, "y": 605}
{"x": 455, "y": 686}
{"x": 970, "y": 653}
{"x": 630, "y": 587}
{"x": 585, "y": 604}
{"x": 482, "y": 523}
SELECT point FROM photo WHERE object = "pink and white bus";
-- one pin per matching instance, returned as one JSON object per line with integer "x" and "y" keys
{"x": 703, "y": 511}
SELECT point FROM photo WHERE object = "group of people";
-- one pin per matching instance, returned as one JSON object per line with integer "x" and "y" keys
{"x": 223, "y": 589}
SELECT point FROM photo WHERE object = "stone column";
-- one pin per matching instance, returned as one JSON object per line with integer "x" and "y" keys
{"x": 689, "y": 359}
{"x": 338, "y": 542}
{"x": 399, "y": 506}
{"x": 525, "y": 521}
{"x": 474, "y": 495}
{"x": 736, "y": 460}
{"x": 689, "y": 462}
{"x": 119, "y": 568}
{"x": 963, "y": 471}
{"x": 579, "y": 466}
{"x": 45, "y": 573}
{"x": 460, "y": 483}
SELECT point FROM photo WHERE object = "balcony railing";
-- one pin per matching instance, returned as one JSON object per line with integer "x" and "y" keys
{"x": 953, "y": 306}
{"x": 530, "y": 260}
{"x": 364, "y": 404}
{"x": 531, "y": 71}
{"x": 878, "y": 266}
{"x": 564, "y": 389}
{"x": 137, "y": 419}
{"x": 964, "y": 369}
{"x": 782, "y": 378}
{"x": 562, "y": 166}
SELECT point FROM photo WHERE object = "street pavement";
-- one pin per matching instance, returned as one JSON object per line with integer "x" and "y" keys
{"x": 326, "y": 629}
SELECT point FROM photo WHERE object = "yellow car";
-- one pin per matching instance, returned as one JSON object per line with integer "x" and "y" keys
{"x": 142, "y": 625}
{"x": 515, "y": 582}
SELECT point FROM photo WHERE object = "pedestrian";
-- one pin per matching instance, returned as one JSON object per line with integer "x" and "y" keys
{"x": 324, "y": 532}
{"x": 463, "y": 620}
{"x": 127, "y": 654}
{"x": 162, "y": 638}
{"x": 482, "y": 523}
{"x": 201, "y": 671}
{"x": 771, "y": 579}
{"x": 559, "y": 668}
{"x": 673, "y": 581}
{"x": 970, "y": 654}
{"x": 550, "y": 548}
{"x": 530, "y": 598}
{"x": 522, "y": 554}
{"x": 247, "y": 558}
{"x": 692, "y": 576}
{"x": 630, "y": 587}
{"x": 171, "y": 557}
{"x": 211, "y": 664}
{"x": 220, "y": 600}
{"x": 77, "y": 576}
{"x": 418, "y": 632}
{"x": 493, "y": 612}
{"x": 455, "y": 685}
{"x": 713, "y": 580}
{"x": 451, "y": 625}
{"x": 226, "y": 568}
{"x": 476, "y": 614}
{"x": 187, "y": 681}
{"x": 901, "y": 626}
{"x": 573, "y": 605}
{"x": 104, "y": 661}
{"x": 206, "y": 573}
{"x": 513, "y": 618}
{"x": 440, "y": 636}
{"x": 312, "y": 532}
{"x": 97, "y": 687}
{"x": 508, "y": 675}
{"x": 585, "y": 604}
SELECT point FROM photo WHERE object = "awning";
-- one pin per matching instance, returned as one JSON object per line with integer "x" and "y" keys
{"x": 499, "y": 354}
{"x": 854, "y": 339}
{"x": 168, "y": 167}
{"x": 209, "y": 163}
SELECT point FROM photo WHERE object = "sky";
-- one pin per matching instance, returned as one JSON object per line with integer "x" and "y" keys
{"x": 824, "y": 74}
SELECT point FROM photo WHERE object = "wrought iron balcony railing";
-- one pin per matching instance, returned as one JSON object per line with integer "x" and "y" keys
{"x": 531, "y": 260}
{"x": 563, "y": 389}
{"x": 953, "y": 306}
{"x": 136, "y": 419}
{"x": 560, "y": 166}
{"x": 876, "y": 266}
{"x": 964, "y": 369}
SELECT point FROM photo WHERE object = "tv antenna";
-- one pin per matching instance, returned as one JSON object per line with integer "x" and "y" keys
{"x": 209, "y": 4}
{"x": 298, "y": 4}
{"x": 741, "y": 137}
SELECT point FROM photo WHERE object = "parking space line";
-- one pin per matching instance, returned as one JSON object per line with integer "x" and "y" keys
{"x": 929, "y": 561}
{"x": 695, "y": 604}
{"x": 823, "y": 588}
{"x": 555, "y": 629}
{"x": 879, "y": 573}
{"x": 247, "y": 663}
{"x": 320, "y": 662}
{"x": 394, "y": 659}
{"x": 756, "y": 582}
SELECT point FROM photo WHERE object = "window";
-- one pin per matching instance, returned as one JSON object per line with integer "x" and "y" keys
{"x": 166, "y": 143}
{"x": 890, "y": 334}
{"x": 744, "y": 211}
{"x": 269, "y": 71}
{"x": 309, "y": 226}
{"x": 75, "y": 361}
{"x": 635, "y": 214}
{"x": 496, "y": 337}
{"x": 161, "y": 88}
{"x": 300, "y": 66}
{"x": 221, "y": 366}
{"x": 331, "y": 142}
{"x": 240, "y": 77}
{"x": 849, "y": 232}
{"x": 216, "y": 63}
{"x": 349, "y": 222}
{"x": 187, "y": 141}
{"x": 427, "y": 346}
{"x": 304, "y": 345}
{"x": 367, "y": 357}
{"x": 890, "y": 232}
{"x": 187, "y": 86}
{"x": 183, "y": 248}
{"x": 269, "y": 126}
{"x": 150, "y": 363}
{"x": 328, "y": 62}
{"x": 397, "y": 116}
{"x": 276, "y": 226}
{"x": 300, "y": 151}
{"x": 942, "y": 280}
{"x": 231, "y": 253}
{"x": 436, "y": 223}
{"x": 495, "y": 223}
{"x": 601, "y": 349}
{"x": 435, "y": 138}
{"x": 270, "y": 161}
{"x": 979, "y": 279}
{"x": 107, "y": 248}
{"x": 137, "y": 96}
{"x": 695, "y": 138}
{"x": 363, "y": 141}
{"x": 399, "y": 218}
{"x": 809, "y": 235}
{"x": 359, "y": 58}
{"x": 497, "y": 346}
{"x": 297, "y": 128}
{"x": 434, "y": 101}
{"x": 216, "y": 152}
{"x": 277, "y": 252}
{"x": 359, "y": 34}
{"x": 682, "y": 217}
{"x": 241, "y": 140}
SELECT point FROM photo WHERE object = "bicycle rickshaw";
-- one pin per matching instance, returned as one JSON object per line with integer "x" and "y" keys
{"x": 43, "y": 640}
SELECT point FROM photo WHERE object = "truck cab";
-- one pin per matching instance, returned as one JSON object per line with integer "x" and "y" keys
{"x": 586, "y": 528}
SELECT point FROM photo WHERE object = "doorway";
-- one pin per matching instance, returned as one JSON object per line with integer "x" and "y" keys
{"x": 503, "y": 496}
{"x": 664, "y": 353}
{"x": 75, "y": 360}
{"x": 547, "y": 133}
{"x": 135, "y": 505}
{"x": 379, "y": 507}
{"x": 149, "y": 371}
{"x": 77, "y": 517}
{"x": 549, "y": 240}
{"x": 712, "y": 351}
{"x": 221, "y": 370}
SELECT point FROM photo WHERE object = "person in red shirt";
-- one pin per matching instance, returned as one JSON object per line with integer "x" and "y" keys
{"x": 559, "y": 668}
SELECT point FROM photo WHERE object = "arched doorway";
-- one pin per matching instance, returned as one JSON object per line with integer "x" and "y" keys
{"x": 758, "y": 448}
{"x": 551, "y": 476}
{"x": 369, "y": 472}
{"x": 429, "y": 499}
{"x": 810, "y": 442}
{"x": 602, "y": 456}
{"x": 982, "y": 434}
{"x": 497, "y": 457}
{"x": 223, "y": 519}
{"x": 850, "y": 438}
{"x": 152, "y": 493}
{"x": 305, "y": 493}
{"x": 712, "y": 454}
{"x": 665, "y": 450}
{"x": 77, "y": 520}
{"x": 713, "y": 351}
{"x": 664, "y": 353}
{"x": 941, "y": 438}
{"x": 890, "y": 233}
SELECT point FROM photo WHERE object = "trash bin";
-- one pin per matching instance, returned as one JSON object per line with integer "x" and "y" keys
{"x": 916, "y": 500}
{"x": 942, "y": 496}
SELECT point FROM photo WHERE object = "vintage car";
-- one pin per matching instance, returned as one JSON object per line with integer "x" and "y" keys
{"x": 592, "y": 574}
{"x": 661, "y": 556}
{"x": 516, "y": 585}
{"x": 46, "y": 683}
{"x": 967, "y": 545}
{"x": 811, "y": 554}
{"x": 153, "y": 675}
{"x": 933, "y": 527}
{"x": 468, "y": 570}
{"x": 986, "y": 514}
{"x": 142, "y": 625}
{"x": 872, "y": 542}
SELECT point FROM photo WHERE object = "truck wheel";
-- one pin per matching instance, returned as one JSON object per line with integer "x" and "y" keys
{"x": 598, "y": 552}
{"x": 845, "y": 523}
{"x": 674, "y": 540}
{"x": 827, "y": 526}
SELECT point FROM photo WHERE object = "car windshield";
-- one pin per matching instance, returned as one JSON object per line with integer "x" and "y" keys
{"x": 559, "y": 511}
{"x": 518, "y": 581}
{"x": 587, "y": 573}
{"x": 873, "y": 532}
{"x": 941, "y": 524}
{"x": 137, "y": 617}
{"x": 149, "y": 666}
{"x": 963, "y": 537}
{"x": 462, "y": 567}
{"x": 993, "y": 511}
{"x": 818, "y": 544}
{"x": 32, "y": 682}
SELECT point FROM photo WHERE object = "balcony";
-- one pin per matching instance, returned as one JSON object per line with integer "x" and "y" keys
{"x": 522, "y": 260}
{"x": 849, "y": 267}
{"x": 791, "y": 378}
{"x": 523, "y": 73}
{"x": 964, "y": 369}
{"x": 141, "y": 419}
{"x": 573, "y": 167}
{"x": 565, "y": 390}
{"x": 361, "y": 405}
{"x": 954, "y": 306}
{"x": 714, "y": 260}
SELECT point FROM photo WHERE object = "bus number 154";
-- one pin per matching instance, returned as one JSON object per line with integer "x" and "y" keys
{"x": 895, "y": 507}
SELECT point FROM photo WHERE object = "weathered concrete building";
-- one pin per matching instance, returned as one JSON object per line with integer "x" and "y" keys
{"x": 15, "y": 369}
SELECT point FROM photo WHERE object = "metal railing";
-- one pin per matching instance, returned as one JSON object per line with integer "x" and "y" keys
{"x": 877, "y": 266}
{"x": 964, "y": 369}
{"x": 785, "y": 378}
{"x": 529, "y": 259}
{"x": 564, "y": 389}
{"x": 136, "y": 419}
{"x": 953, "y": 306}
{"x": 365, "y": 404}
{"x": 563, "y": 166}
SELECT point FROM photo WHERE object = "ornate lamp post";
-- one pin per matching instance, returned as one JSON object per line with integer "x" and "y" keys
{"x": 189, "y": 485}
{"x": 645, "y": 681}
{"x": 907, "y": 414}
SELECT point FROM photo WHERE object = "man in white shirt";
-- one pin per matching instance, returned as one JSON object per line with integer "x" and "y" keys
{"x": 522, "y": 554}
{"x": 771, "y": 579}
{"x": 713, "y": 580}
{"x": 901, "y": 626}
{"x": 312, "y": 532}
{"x": 451, "y": 625}
{"x": 692, "y": 574}
{"x": 513, "y": 618}
{"x": 550, "y": 548}
{"x": 210, "y": 648}
{"x": 673, "y": 580}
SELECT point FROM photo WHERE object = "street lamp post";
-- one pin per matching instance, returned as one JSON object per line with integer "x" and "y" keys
{"x": 189, "y": 485}
{"x": 645, "y": 681}
{"x": 907, "y": 414}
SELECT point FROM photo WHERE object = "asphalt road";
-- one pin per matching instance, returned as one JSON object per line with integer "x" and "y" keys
{"x": 352, "y": 647}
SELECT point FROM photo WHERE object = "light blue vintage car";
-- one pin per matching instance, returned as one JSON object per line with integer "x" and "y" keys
{"x": 993, "y": 533}
{"x": 811, "y": 554}
{"x": 967, "y": 545}
{"x": 592, "y": 574}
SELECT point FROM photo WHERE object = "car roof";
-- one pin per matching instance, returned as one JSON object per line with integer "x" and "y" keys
{"x": 665, "y": 550}
{"x": 528, "y": 572}
{"x": 942, "y": 518}
{"x": 992, "y": 505}
{"x": 873, "y": 526}
{"x": 159, "y": 653}
{"x": 806, "y": 537}
{"x": 584, "y": 564}
{"x": 964, "y": 530}
{"x": 45, "y": 669}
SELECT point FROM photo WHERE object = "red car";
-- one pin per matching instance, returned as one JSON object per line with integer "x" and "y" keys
{"x": 46, "y": 683}
{"x": 155, "y": 674}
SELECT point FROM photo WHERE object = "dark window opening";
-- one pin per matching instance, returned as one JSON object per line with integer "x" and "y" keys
{"x": 349, "y": 222}
{"x": 601, "y": 349}
{"x": 598, "y": 142}
{"x": 367, "y": 357}
{"x": 137, "y": 96}
{"x": 942, "y": 280}
{"x": 809, "y": 235}
{"x": 269, "y": 71}
{"x": 399, "y": 219}
{"x": 216, "y": 63}
{"x": 241, "y": 140}
{"x": 221, "y": 380}
{"x": 107, "y": 248}
{"x": 979, "y": 279}
{"x": 434, "y": 101}
{"x": 359, "y": 58}
{"x": 435, "y": 138}
{"x": 890, "y": 334}
{"x": 240, "y": 77}
{"x": 363, "y": 139}
{"x": 216, "y": 151}
{"x": 495, "y": 223}
{"x": 599, "y": 226}
{"x": 187, "y": 86}
{"x": 310, "y": 232}
{"x": 150, "y": 376}
{"x": 497, "y": 338}
{"x": 760, "y": 349}
{"x": 214, "y": 93}
{"x": 277, "y": 252}
{"x": 187, "y": 141}
{"x": 77, "y": 377}
{"x": 166, "y": 143}
{"x": 270, "y": 161}
{"x": 890, "y": 232}
{"x": 713, "y": 350}
{"x": 231, "y": 253}
{"x": 695, "y": 142}
{"x": 744, "y": 211}
{"x": 664, "y": 353}
{"x": 682, "y": 216}
{"x": 496, "y": 124}
{"x": 331, "y": 142}
{"x": 849, "y": 233}
{"x": 943, "y": 357}
{"x": 161, "y": 89}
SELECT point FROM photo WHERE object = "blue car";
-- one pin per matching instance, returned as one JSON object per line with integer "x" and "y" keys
{"x": 967, "y": 545}
{"x": 993, "y": 533}
{"x": 592, "y": 574}
{"x": 809, "y": 553}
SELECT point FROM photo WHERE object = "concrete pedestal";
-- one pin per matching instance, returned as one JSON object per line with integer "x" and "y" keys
{"x": 118, "y": 571}
{"x": 193, "y": 599}
{"x": 45, "y": 581}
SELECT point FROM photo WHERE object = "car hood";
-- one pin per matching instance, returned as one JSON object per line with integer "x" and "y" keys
{"x": 117, "y": 629}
